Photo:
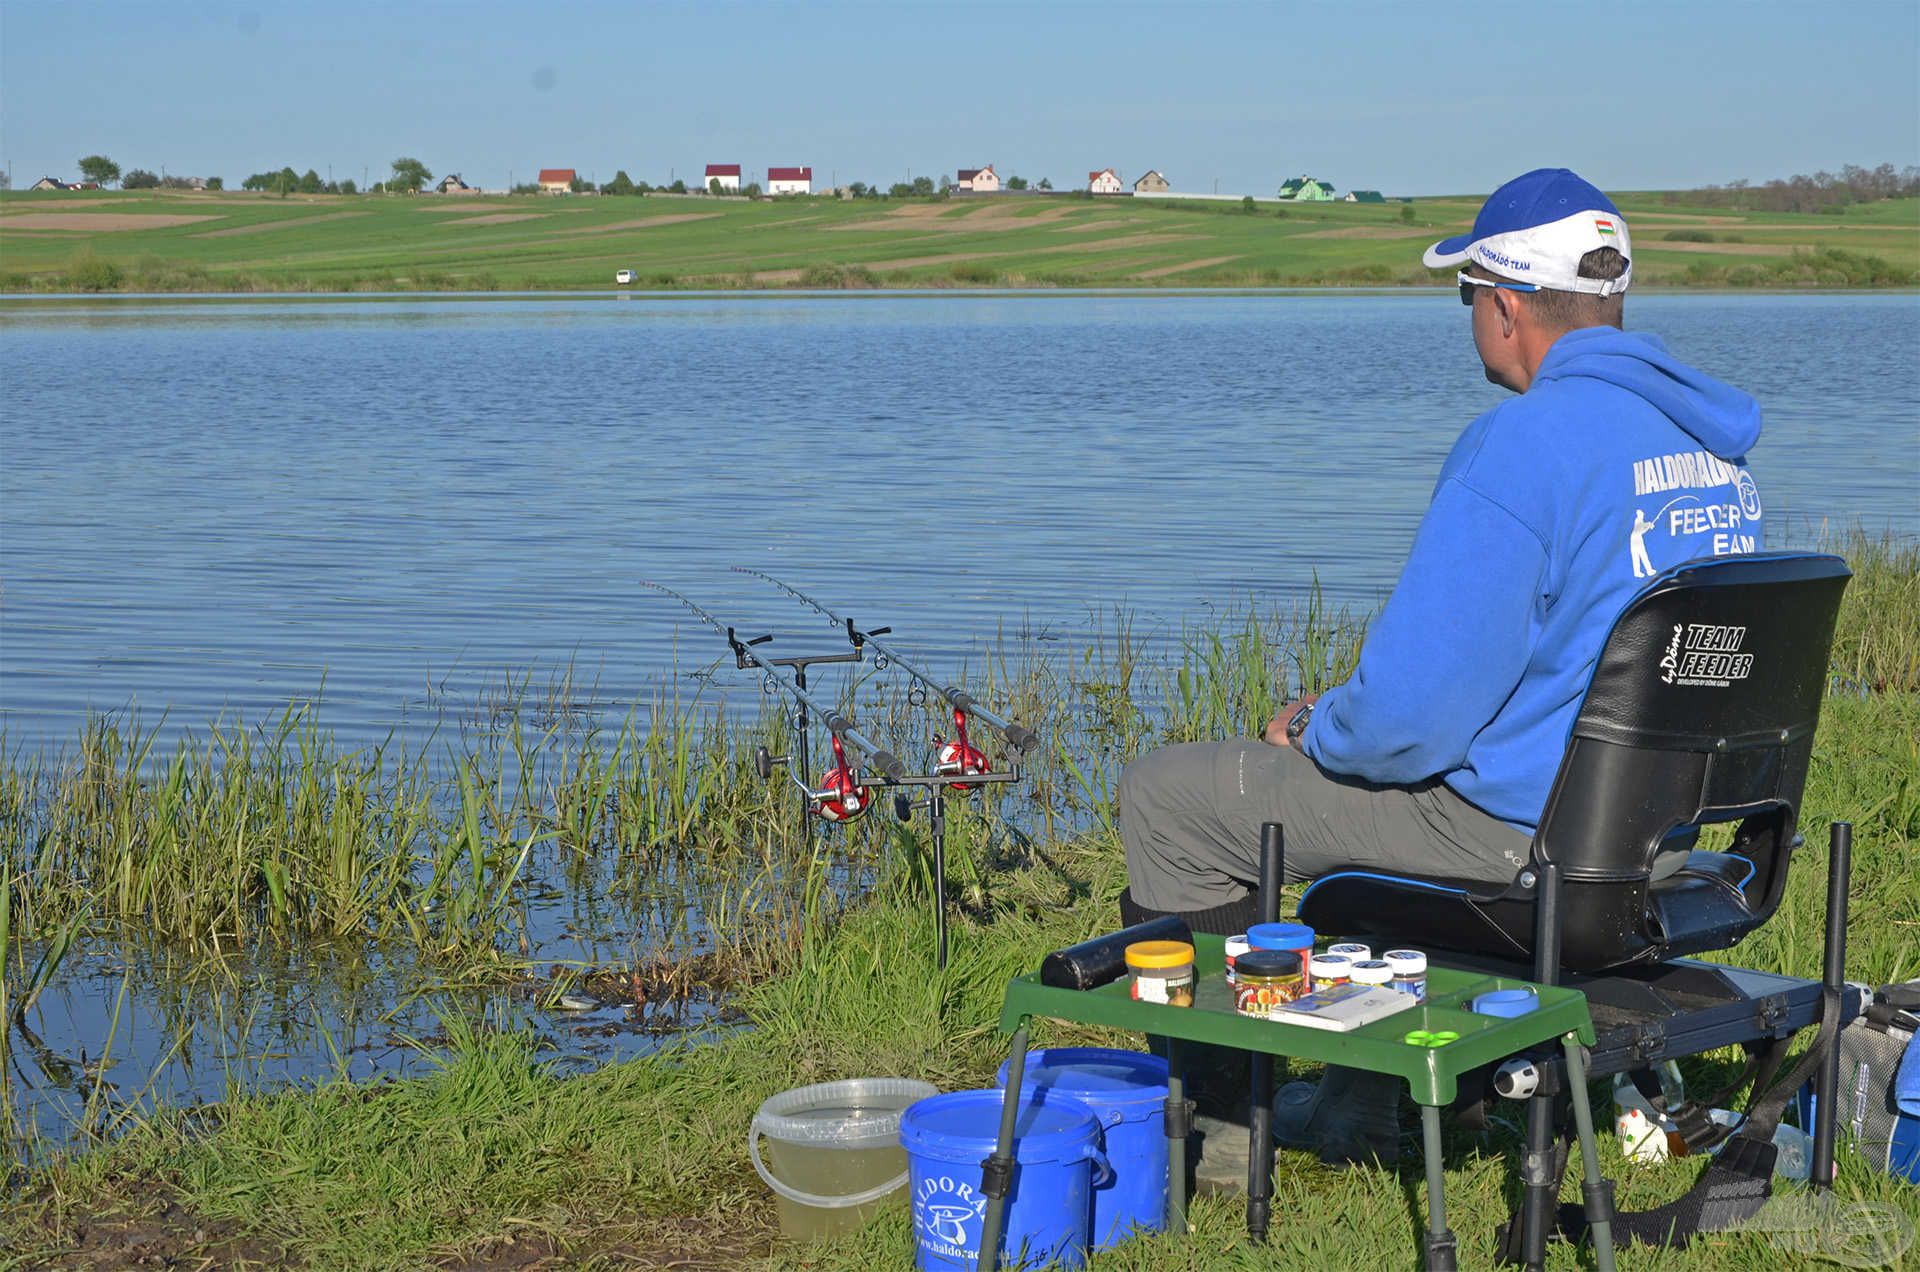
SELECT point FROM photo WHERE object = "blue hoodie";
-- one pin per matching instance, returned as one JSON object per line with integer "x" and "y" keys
{"x": 1553, "y": 509}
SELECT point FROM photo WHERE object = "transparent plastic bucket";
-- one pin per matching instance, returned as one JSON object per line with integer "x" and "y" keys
{"x": 833, "y": 1151}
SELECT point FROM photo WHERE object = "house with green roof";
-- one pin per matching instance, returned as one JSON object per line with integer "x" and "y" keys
{"x": 1307, "y": 190}
{"x": 1365, "y": 196}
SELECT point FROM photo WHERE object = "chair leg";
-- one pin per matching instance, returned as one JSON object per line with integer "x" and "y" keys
{"x": 1440, "y": 1249}
{"x": 1596, "y": 1190}
{"x": 1540, "y": 1177}
{"x": 996, "y": 1173}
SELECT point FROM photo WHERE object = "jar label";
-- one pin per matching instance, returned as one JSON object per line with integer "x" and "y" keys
{"x": 1260, "y": 997}
{"x": 1175, "y": 991}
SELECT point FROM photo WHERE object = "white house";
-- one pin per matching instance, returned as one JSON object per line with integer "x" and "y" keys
{"x": 727, "y": 174}
{"x": 557, "y": 180}
{"x": 980, "y": 180}
{"x": 1105, "y": 181}
{"x": 789, "y": 180}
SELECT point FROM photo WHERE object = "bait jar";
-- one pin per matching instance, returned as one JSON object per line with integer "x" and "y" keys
{"x": 1267, "y": 978}
{"x": 1236, "y": 946}
{"x": 1329, "y": 969}
{"x": 1351, "y": 949}
{"x": 1162, "y": 972}
{"x": 1371, "y": 971}
{"x": 1409, "y": 969}
{"x": 1297, "y": 937}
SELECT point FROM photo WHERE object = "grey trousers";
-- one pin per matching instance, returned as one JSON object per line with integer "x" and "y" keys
{"x": 1190, "y": 818}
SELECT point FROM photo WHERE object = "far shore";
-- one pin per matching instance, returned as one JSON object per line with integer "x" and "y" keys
{"x": 176, "y": 243}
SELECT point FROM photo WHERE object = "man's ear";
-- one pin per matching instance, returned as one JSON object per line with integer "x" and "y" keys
{"x": 1503, "y": 305}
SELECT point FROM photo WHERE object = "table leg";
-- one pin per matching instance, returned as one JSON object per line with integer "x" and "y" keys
{"x": 1596, "y": 1190}
{"x": 1179, "y": 1123}
{"x": 1440, "y": 1244}
{"x": 1260, "y": 1150}
{"x": 996, "y": 1172}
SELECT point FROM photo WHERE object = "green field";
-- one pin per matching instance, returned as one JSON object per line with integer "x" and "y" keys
{"x": 230, "y": 241}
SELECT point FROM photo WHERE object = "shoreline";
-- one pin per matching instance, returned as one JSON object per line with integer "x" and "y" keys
{"x": 903, "y": 291}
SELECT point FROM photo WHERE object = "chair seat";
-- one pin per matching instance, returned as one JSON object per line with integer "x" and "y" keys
{"x": 1701, "y": 906}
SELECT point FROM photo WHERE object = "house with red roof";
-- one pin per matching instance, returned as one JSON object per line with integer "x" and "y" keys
{"x": 557, "y": 180}
{"x": 727, "y": 174}
{"x": 789, "y": 180}
{"x": 1105, "y": 181}
{"x": 979, "y": 180}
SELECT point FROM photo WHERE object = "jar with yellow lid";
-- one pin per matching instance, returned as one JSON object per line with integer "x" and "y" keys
{"x": 1162, "y": 972}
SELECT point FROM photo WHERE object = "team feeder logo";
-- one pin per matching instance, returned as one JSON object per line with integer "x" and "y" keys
{"x": 1705, "y": 654}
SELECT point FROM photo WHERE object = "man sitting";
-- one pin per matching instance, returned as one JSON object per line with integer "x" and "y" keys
{"x": 1614, "y": 462}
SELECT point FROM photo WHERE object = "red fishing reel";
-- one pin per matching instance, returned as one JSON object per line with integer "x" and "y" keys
{"x": 840, "y": 798}
{"x": 960, "y": 758}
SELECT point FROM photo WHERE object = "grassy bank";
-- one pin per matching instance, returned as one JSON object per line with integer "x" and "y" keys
{"x": 497, "y": 1160}
{"x": 170, "y": 241}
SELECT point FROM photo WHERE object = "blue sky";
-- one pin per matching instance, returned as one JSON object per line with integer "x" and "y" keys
{"x": 1406, "y": 98}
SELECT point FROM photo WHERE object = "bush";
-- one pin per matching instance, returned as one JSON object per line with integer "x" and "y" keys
{"x": 1689, "y": 236}
{"x": 140, "y": 179}
{"x": 89, "y": 273}
{"x": 836, "y": 276}
{"x": 974, "y": 272}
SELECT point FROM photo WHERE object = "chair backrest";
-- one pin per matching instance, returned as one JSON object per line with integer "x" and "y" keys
{"x": 1701, "y": 709}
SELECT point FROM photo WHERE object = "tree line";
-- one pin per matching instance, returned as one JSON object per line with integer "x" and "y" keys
{"x": 1822, "y": 192}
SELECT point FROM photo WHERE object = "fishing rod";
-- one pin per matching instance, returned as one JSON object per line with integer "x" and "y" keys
{"x": 843, "y": 795}
{"x": 843, "y": 730}
{"x": 1018, "y": 736}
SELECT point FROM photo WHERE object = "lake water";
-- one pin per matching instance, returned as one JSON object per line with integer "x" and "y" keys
{"x": 213, "y": 508}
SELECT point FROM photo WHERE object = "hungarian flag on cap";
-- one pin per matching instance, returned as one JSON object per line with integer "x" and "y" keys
{"x": 1604, "y": 226}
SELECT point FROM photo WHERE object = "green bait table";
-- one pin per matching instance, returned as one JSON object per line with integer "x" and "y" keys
{"x": 1431, "y": 1072}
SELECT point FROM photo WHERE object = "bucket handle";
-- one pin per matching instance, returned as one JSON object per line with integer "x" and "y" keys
{"x": 1103, "y": 1172}
{"x": 793, "y": 1194}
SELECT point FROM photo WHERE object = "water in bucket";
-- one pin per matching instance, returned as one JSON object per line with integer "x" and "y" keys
{"x": 833, "y": 1151}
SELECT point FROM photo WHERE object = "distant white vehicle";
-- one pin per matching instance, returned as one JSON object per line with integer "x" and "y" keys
{"x": 623, "y": 277}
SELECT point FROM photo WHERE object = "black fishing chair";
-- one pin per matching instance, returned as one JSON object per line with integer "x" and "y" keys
{"x": 1701, "y": 710}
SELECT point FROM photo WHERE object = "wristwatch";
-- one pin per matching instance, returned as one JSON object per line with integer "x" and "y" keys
{"x": 1298, "y": 725}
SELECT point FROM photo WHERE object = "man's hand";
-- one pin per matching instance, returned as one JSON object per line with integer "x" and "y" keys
{"x": 1276, "y": 731}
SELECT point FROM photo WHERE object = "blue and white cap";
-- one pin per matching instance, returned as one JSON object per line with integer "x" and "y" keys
{"x": 1535, "y": 228}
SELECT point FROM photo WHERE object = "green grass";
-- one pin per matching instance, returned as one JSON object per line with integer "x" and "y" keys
{"x": 372, "y": 243}
{"x": 644, "y": 1161}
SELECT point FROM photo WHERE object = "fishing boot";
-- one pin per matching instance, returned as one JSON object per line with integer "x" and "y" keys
{"x": 1349, "y": 1117}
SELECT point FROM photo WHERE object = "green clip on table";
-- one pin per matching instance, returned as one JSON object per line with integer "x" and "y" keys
{"x": 1431, "y": 1072}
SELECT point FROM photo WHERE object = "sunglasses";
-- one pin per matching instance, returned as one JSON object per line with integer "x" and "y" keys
{"x": 1468, "y": 284}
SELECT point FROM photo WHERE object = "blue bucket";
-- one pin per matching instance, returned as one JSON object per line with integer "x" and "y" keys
{"x": 1127, "y": 1091}
{"x": 1055, "y": 1148}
